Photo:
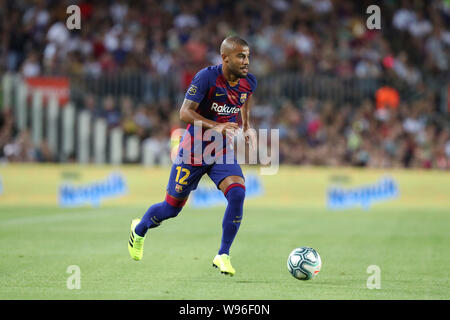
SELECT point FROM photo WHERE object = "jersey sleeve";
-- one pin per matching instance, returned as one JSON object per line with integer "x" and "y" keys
{"x": 253, "y": 83}
{"x": 199, "y": 86}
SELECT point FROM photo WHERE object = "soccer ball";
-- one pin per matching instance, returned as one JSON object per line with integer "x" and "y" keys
{"x": 304, "y": 263}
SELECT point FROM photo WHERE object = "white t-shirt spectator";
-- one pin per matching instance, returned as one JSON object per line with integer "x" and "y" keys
{"x": 31, "y": 68}
{"x": 322, "y": 6}
{"x": 118, "y": 12}
{"x": 186, "y": 20}
{"x": 58, "y": 33}
{"x": 161, "y": 61}
{"x": 436, "y": 50}
{"x": 412, "y": 125}
{"x": 111, "y": 40}
{"x": 280, "y": 5}
{"x": 420, "y": 28}
{"x": 41, "y": 16}
{"x": 303, "y": 43}
{"x": 403, "y": 18}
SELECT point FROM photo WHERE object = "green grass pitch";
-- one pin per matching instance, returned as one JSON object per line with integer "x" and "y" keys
{"x": 408, "y": 238}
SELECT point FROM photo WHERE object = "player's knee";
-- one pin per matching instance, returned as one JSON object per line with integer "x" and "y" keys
{"x": 235, "y": 193}
{"x": 171, "y": 211}
{"x": 173, "y": 206}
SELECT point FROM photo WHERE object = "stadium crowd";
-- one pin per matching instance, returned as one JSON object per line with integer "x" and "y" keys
{"x": 310, "y": 37}
{"x": 320, "y": 36}
{"x": 310, "y": 134}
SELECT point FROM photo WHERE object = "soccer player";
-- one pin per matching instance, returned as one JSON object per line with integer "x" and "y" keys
{"x": 215, "y": 97}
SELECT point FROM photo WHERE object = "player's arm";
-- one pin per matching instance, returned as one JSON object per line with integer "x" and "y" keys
{"x": 245, "y": 114}
{"x": 249, "y": 132}
{"x": 189, "y": 114}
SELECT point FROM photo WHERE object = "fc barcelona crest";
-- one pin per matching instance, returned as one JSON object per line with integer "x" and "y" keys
{"x": 178, "y": 188}
{"x": 243, "y": 97}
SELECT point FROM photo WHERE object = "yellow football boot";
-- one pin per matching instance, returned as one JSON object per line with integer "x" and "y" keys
{"x": 135, "y": 243}
{"x": 223, "y": 263}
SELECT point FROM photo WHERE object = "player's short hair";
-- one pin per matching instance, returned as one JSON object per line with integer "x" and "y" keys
{"x": 231, "y": 41}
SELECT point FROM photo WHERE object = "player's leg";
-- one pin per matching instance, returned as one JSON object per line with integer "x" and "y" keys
{"x": 230, "y": 180}
{"x": 183, "y": 179}
{"x": 233, "y": 188}
{"x": 157, "y": 213}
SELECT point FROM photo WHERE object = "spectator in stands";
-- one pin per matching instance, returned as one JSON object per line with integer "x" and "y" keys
{"x": 110, "y": 112}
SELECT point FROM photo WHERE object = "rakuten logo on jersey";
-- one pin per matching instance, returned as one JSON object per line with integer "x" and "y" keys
{"x": 224, "y": 109}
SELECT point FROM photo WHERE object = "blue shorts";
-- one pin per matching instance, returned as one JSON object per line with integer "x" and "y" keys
{"x": 184, "y": 178}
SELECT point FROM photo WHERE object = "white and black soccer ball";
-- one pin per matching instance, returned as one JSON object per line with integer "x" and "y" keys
{"x": 304, "y": 263}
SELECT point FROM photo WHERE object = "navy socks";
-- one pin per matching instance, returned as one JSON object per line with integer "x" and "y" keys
{"x": 159, "y": 212}
{"x": 235, "y": 195}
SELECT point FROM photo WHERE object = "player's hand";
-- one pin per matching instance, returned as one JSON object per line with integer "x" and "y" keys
{"x": 250, "y": 138}
{"x": 227, "y": 128}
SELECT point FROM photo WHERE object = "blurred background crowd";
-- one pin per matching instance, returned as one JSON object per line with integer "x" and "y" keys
{"x": 311, "y": 38}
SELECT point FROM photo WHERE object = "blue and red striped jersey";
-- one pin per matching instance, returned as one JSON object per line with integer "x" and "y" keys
{"x": 218, "y": 100}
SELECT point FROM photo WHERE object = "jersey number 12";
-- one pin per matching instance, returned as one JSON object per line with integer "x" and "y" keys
{"x": 183, "y": 178}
